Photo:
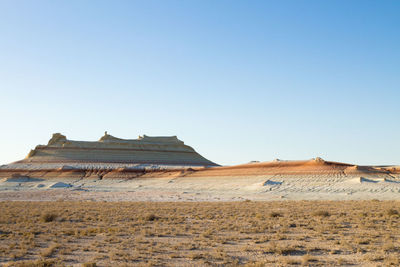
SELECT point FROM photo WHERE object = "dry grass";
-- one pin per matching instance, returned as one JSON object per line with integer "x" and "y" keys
{"x": 48, "y": 217}
{"x": 316, "y": 233}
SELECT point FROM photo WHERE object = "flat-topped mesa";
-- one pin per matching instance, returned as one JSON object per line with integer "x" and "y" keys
{"x": 161, "y": 150}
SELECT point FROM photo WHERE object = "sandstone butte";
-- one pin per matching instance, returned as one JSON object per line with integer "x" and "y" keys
{"x": 112, "y": 157}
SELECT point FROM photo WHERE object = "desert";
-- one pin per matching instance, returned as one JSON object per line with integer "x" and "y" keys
{"x": 164, "y": 169}
{"x": 240, "y": 233}
{"x": 74, "y": 203}
{"x": 204, "y": 133}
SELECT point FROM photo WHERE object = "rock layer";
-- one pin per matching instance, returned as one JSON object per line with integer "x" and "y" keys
{"x": 110, "y": 155}
{"x": 114, "y": 158}
{"x": 109, "y": 149}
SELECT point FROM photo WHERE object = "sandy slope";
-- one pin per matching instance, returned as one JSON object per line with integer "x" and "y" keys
{"x": 223, "y": 188}
{"x": 278, "y": 180}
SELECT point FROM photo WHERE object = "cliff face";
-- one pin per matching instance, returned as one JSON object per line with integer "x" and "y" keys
{"x": 110, "y": 157}
{"x": 109, "y": 149}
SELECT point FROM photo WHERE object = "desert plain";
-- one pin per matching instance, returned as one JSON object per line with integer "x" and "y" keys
{"x": 154, "y": 201}
{"x": 314, "y": 179}
{"x": 280, "y": 213}
{"x": 241, "y": 233}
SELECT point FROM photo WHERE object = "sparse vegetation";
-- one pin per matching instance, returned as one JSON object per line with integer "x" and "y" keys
{"x": 151, "y": 217}
{"x": 208, "y": 233}
{"x": 275, "y": 214}
{"x": 322, "y": 213}
{"x": 392, "y": 212}
{"x": 49, "y": 217}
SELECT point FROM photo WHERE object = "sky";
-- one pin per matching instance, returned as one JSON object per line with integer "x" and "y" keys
{"x": 236, "y": 80}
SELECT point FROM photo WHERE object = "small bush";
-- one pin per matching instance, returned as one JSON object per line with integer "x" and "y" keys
{"x": 392, "y": 212}
{"x": 275, "y": 214}
{"x": 151, "y": 217}
{"x": 89, "y": 264}
{"x": 305, "y": 260}
{"x": 37, "y": 263}
{"x": 322, "y": 213}
{"x": 196, "y": 256}
{"x": 47, "y": 252}
{"x": 49, "y": 217}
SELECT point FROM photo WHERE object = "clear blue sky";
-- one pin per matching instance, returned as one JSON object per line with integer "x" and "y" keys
{"x": 237, "y": 80}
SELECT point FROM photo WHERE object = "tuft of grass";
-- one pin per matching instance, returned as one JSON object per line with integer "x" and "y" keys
{"x": 275, "y": 214}
{"x": 89, "y": 264}
{"x": 37, "y": 263}
{"x": 196, "y": 256}
{"x": 392, "y": 212}
{"x": 305, "y": 260}
{"x": 151, "y": 217}
{"x": 49, "y": 251}
{"x": 48, "y": 217}
{"x": 322, "y": 213}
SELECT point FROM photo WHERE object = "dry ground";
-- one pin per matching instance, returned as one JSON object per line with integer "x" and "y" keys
{"x": 246, "y": 233}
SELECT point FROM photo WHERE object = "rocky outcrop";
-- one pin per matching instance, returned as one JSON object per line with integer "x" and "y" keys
{"x": 109, "y": 149}
{"x": 115, "y": 158}
{"x": 110, "y": 156}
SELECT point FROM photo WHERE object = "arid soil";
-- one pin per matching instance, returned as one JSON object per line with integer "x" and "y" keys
{"x": 277, "y": 233}
{"x": 288, "y": 180}
{"x": 311, "y": 167}
{"x": 252, "y": 215}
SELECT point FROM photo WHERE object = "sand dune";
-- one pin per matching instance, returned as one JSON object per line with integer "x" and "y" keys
{"x": 308, "y": 167}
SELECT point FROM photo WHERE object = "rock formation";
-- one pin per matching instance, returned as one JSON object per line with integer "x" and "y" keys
{"x": 112, "y": 157}
{"x": 109, "y": 149}
{"x": 110, "y": 154}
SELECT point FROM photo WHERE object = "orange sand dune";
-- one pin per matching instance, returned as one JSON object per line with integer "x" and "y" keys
{"x": 306, "y": 167}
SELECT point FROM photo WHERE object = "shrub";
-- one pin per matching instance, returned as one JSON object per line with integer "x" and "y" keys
{"x": 322, "y": 213}
{"x": 49, "y": 217}
{"x": 305, "y": 260}
{"x": 47, "y": 252}
{"x": 151, "y": 217}
{"x": 392, "y": 212}
{"x": 275, "y": 214}
{"x": 37, "y": 263}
